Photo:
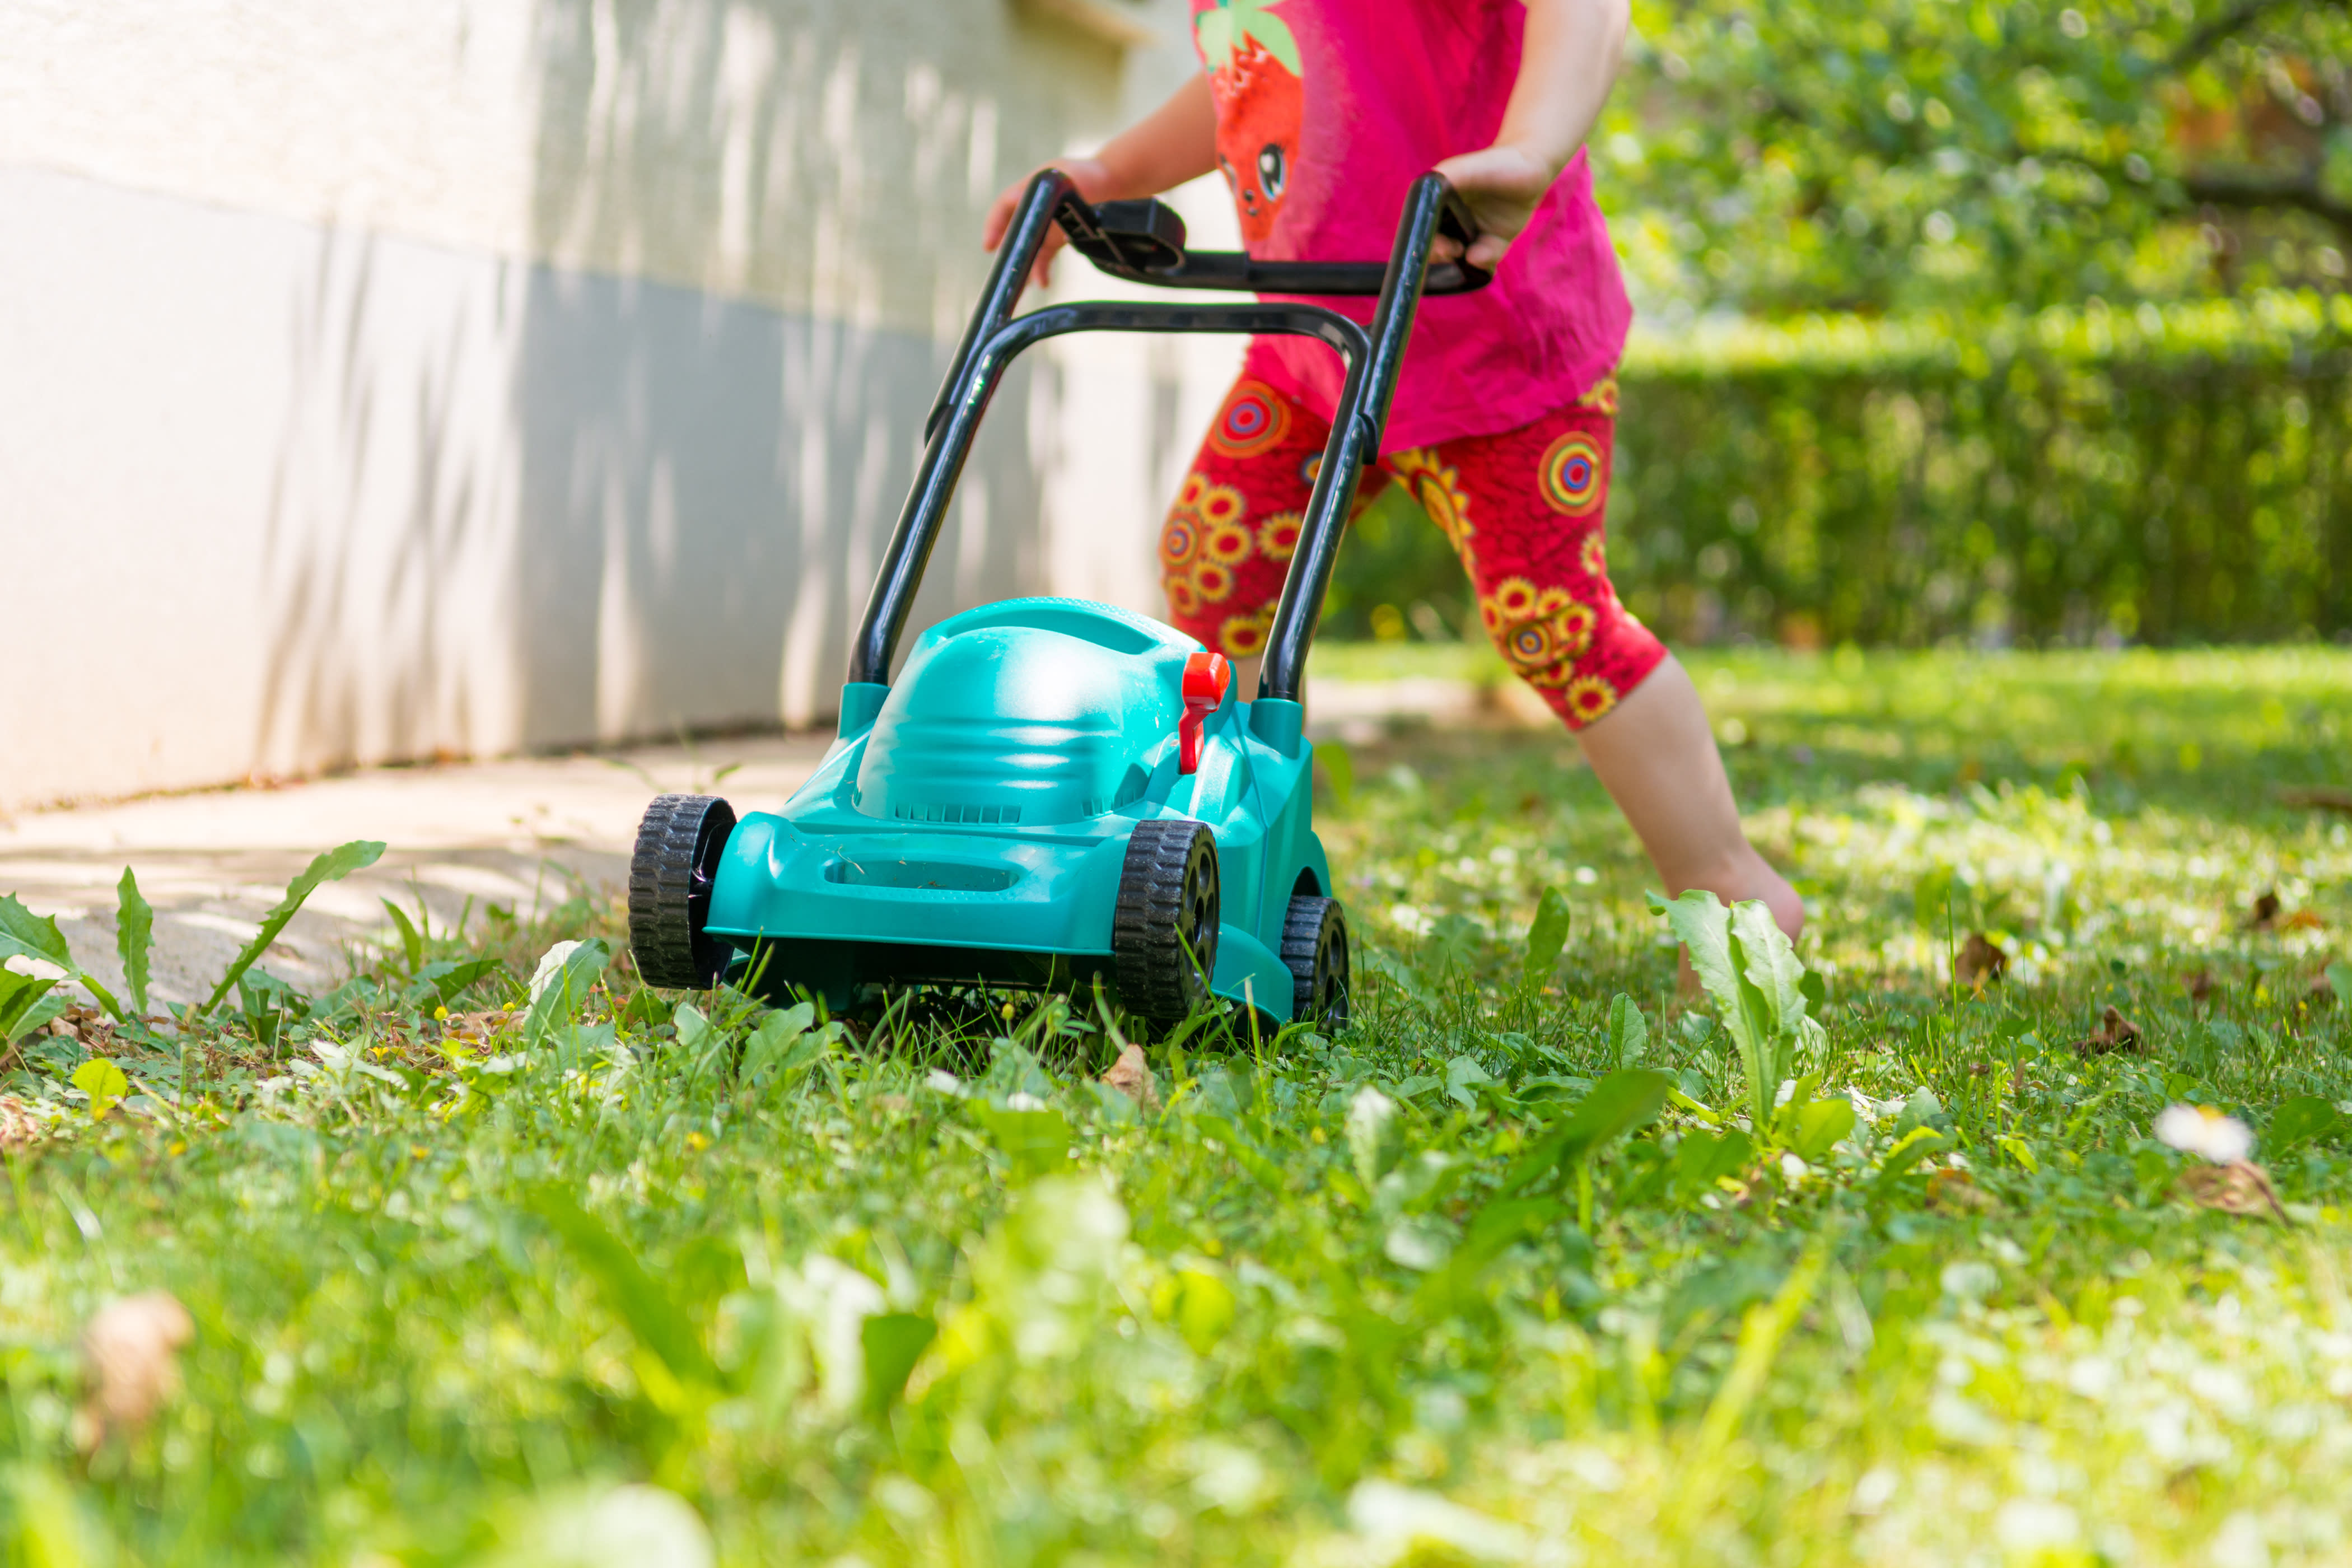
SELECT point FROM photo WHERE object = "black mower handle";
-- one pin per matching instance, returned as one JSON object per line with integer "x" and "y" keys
{"x": 1144, "y": 241}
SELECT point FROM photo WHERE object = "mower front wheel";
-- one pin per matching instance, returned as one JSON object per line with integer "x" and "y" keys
{"x": 1163, "y": 934}
{"x": 1314, "y": 951}
{"x": 680, "y": 843}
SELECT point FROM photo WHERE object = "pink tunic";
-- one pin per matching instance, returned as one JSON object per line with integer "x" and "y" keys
{"x": 1326, "y": 110}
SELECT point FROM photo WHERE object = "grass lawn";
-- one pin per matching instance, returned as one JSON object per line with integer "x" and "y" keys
{"x": 638, "y": 1281}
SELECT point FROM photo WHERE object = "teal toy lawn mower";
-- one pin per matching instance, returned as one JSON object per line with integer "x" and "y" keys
{"x": 1051, "y": 791}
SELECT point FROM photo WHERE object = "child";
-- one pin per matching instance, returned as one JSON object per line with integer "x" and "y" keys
{"x": 1319, "y": 113}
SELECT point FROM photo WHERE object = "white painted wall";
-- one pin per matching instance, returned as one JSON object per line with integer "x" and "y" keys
{"x": 467, "y": 375}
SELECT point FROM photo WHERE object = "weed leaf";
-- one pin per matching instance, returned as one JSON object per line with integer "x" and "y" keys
{"x": 1703, "y": 926}
{"x": 1703, "y": 1159}
{"x": 448, "y": 979}
{"x": 104, "y": 1083}
{"x": 134, "y": 936}
{"x": 2305, "y": 1119}
{"x": 1629, "y": 1032}
{"x": 331, "y": 867}
{"x": 557, "y": 994}
{"x": 1915, "y": 1146}
{"x": 1819, "y": 1126}
{"x": 1033, "y": 1142}
{"x": 1374, "y": 1139}
{"x": 1463, "y": 1077}
{"x": 34, "y": 936}
{"x": 1625, "y": 1101}
{"x": 1546, "y": 937}
{"x": 1751, "y": 973}
{"x": 21, "y": 1009}
{"x": 782, "y": 1045}
{"x": 25, "y": 934}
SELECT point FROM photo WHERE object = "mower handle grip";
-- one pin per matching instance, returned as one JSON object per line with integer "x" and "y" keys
{"x": 1374, "y": 356}
{"x": 1143, "y": 242}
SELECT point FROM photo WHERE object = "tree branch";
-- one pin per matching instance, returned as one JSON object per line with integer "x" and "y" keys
{"x": 2251, "y": 191}
{"x": 2225, "y": 27}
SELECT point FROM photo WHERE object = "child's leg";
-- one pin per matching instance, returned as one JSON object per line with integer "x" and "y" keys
{"x": 1523, "y": 509}
{"x": 1656, "y": 757}
{"x": 1228, "y": 539}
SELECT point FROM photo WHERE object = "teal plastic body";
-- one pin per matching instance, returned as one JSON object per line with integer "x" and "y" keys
{"x": 973, "y": 819}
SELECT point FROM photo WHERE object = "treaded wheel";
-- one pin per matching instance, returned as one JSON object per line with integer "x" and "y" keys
{"x": 1314, "y": 951}
{"x": 679, "y": 846}
{"x": 1163, "y": 932}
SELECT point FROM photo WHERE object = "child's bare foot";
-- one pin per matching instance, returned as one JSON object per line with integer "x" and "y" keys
{"x": 1656, "y": 756}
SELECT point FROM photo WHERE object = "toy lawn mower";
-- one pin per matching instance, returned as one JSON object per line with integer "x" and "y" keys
{"x": 1053, "y": 791}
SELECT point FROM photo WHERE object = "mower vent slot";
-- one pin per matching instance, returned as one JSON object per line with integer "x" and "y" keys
{"x": 935, "y": 875}
{"x": 1130, "y": 790}
{"x": 991, "y": 815}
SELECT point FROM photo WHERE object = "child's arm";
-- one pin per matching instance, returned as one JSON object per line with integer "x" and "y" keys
{"x": 1568, "y": 62}
{"x": 1175, "y": 142}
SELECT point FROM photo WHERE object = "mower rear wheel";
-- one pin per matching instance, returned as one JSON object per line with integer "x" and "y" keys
{"x": 679, "y": 847}
{"x": 1163, "y": 932}
{"x": 1314, "y": 951}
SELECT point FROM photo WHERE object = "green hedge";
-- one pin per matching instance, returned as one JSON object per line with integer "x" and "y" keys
{"x": 2161, "y": 475}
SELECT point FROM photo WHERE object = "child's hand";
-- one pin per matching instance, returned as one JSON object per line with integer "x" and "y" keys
{"x": 1502, "y": 184}
{"x": 1093, "y": 183}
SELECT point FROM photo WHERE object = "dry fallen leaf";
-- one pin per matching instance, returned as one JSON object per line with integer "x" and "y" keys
{"x": 130, "y": 1358}
{"x": 20, "y": 1125}
{"x": 2266, "y": 912}
{"x": 2319, "y": 799}
{"x": 2240, "y": 1188}
{"x": 88, "y": 1027}
{"x": 2302, "y": 919}
{"x": 480, "y": 1025}
{"x": 1982, "y": 961}
{"x": 2117, "y": 1033}
{"x": 1131, "y": 1076}
{"x": 2201, "y": 985}
{"x": 1956, "y": 1191}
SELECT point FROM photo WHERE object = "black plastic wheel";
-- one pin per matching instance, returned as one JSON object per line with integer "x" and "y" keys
{"x": 1314, "y": 951}
{"x": 1163, "y": 934}
{"x": 679, "y": 846}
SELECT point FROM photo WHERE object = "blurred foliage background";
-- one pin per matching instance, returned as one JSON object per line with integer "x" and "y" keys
{"x": 2011, "y": 323}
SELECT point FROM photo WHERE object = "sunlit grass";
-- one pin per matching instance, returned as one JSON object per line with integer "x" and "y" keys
{"x": 478, "y": 1302}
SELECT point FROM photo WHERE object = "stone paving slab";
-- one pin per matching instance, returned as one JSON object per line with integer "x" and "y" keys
{"x": 522, "y": 833}
{"x": 518, "y": 833}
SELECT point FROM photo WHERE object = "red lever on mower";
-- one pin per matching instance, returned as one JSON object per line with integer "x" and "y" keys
{"x": 1206, "y": 676}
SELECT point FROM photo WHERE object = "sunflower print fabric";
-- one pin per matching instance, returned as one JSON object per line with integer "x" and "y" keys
{"x": 1522, "y": 510}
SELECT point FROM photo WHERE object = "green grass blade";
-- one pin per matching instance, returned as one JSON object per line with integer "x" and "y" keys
{"x": 412, "y": 942}
{"x": 134, "y": 936}
{"x": 628, "y": 1289}
{"x": 331, "y": 867}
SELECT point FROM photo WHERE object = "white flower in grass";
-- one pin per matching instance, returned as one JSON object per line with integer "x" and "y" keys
{"x": 2201, "y": 1130}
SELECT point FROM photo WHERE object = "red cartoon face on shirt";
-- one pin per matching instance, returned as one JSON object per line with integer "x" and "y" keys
{"x": 1254, "y": 74}
{"x": 1259, "y": 107}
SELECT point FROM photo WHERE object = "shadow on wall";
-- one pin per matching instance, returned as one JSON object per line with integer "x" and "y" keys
{"x": 640, "y": 487}
{"x": 717, "y": 477}
{"x": 704, "y": 487}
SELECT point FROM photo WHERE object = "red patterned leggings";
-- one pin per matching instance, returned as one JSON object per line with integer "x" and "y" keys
{"x": 1522, "y": 510}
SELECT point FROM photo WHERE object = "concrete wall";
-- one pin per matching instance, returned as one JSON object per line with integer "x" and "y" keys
{"x": 468, "y": 375}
